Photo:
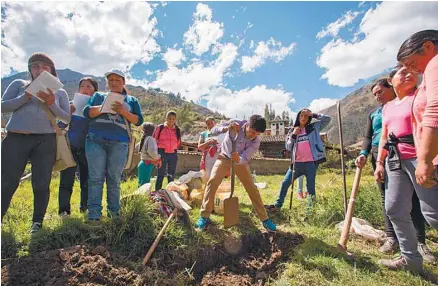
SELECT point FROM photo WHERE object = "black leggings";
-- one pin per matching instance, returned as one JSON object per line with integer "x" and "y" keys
{"x": 17, "y": 150}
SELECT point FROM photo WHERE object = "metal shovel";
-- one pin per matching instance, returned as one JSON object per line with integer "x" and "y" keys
{"x": 231, "y": 204}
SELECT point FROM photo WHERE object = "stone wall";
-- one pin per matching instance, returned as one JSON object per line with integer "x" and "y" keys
{"x": 189, "y": 161}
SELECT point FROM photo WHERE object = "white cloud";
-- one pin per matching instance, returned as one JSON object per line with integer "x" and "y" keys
{"x": 382, "y": 31}
{"x": 198, "y": 78}
{"x": 98, "y": 36}
{"x": 248, "y": 101}
{"x": 321, "y": 103}
{"x": 333, "y": 29}
{"x": 203, "y": 33}
{"x": 173, "y": 57}
{"x": 270, "y": 50}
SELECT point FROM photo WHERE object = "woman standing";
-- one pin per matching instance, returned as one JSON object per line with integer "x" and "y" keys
{"x": 168, "y": 137}
{"x": 309, "y": 153}
{"x": 420, "y": 54}
{"x": 397, "y": 146}
{"x": 107, "y": 144}
{"x": 77, "y": 132}
{"x": 31, "y": 136}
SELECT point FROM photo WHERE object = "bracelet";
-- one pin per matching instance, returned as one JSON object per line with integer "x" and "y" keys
{"x": 381, "y": 162}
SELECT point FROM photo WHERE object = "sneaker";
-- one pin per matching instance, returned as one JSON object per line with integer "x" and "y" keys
{"x": 272, "y": 208}
{"x": 300, "y": 196}
{"x": 390, "y": 246}
{"x": 64, "y": 215}
{"x": 269, "y": 225}
{"x": 36, "y": 227}
{"x": 202, "y": 224}
{"x": 426, "y": 253}
{"x": 400, "y": 263}
{"x": 306, "y": 194}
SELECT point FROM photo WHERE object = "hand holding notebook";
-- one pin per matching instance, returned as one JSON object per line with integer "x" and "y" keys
{"x": 43, "y": 82}
{"x": 110, "y": 99}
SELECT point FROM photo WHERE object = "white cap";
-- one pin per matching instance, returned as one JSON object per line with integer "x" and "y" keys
{"x": 115, "y": 71}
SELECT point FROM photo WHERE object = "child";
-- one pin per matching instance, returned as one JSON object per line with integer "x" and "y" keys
{"x": 300, "y": 188}
{"x": 247, "y": 143}
{"x": 308, "y": 154}
{"x": 149, "y": 154}
{"x": 168, "y": 136}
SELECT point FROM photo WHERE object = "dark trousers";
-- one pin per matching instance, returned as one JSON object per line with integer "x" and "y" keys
{"x": 17, "y": 150}
{"x": 68, "y": 179}
{"x": 168, "y": 167}
{"x": 416, "y": 215}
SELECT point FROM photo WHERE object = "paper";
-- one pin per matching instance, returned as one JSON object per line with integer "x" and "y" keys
{"x": 44, "y": 81}
{"x": 80, "y": 101}
{"x": 109, "y": 100}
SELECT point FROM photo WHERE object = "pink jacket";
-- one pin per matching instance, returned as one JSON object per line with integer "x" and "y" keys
{"x": 168, "y": 139}
{"x": 425, "y": 105}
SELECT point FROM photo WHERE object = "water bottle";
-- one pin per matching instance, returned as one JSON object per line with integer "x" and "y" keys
{"x": 254, "y": 176}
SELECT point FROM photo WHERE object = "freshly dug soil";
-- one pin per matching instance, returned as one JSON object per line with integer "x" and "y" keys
{"x": 249, "y": 260}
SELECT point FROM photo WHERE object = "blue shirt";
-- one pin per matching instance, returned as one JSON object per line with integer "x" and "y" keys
{"x": 111, "y": 126}
{"x": 373, "y": 132}
{"x": 78, "y": 131}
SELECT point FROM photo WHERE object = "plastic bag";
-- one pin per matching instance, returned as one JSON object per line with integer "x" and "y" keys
{"x": 182, "y": 189}
{"x": 363, "y": 228}
{"x": 196, "y": 196}
{"x": 219, "y": 202}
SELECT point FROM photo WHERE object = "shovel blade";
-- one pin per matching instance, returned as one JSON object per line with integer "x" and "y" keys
{"x": 231, "y": 212}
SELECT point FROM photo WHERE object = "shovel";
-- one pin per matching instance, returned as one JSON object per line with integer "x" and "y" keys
{"x": 231, "y": 204}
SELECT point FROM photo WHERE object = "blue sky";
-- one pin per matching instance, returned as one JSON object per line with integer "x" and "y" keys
{"x": 232, "y": 57}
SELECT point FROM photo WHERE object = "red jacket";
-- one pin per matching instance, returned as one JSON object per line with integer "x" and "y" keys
{"x": 167, "y": 140}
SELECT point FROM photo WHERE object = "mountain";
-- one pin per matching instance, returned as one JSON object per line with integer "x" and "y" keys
{"x": 355, "y": 108}
{"x": 154, "y": 102}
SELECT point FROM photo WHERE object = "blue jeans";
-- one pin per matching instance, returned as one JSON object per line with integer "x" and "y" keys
{"x": 169, "y": 162}
{"x": 106, "y": 159}
{"x": 307, "y": 169}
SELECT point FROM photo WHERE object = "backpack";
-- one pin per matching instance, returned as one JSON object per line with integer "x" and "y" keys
{"x": 178, "y": 132}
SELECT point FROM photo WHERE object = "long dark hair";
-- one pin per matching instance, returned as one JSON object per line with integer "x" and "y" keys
{"x": 415, "y": 42}
{"x": 147, "y": 129}
{"x": 309, "y": 127}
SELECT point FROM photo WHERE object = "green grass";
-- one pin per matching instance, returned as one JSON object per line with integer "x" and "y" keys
{"x": 314, "y": 262}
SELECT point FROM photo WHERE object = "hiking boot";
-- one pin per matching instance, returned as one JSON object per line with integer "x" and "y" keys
{"x": 400, "y": 263}
{"x": 300, "y": 196}
{"x": 426, "y": 253}
{"x": 272, "y": 208}
{"x": 269, "y": 225}
{"x": 202, "y": 224}
{"x": 64, "y": 215}
{"x": 390, "y": 246}
{"x": 36, "y": 227}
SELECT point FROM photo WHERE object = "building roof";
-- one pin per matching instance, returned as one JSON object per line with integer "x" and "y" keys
{"x": 278, "y": 119}
{"x": 273, "y": 139}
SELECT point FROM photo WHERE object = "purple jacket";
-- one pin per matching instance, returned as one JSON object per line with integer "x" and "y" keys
{"x": 245, "y": 147}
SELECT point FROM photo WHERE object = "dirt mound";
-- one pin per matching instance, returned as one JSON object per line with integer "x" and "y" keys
{"x": 256, "y": 260}
{"x": 72, "y": 266}
{"x": 249, "y": 260}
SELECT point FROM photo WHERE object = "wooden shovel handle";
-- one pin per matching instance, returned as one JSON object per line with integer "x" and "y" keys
{"x": 350, "y": 211}
{"x": 157, "y": 240}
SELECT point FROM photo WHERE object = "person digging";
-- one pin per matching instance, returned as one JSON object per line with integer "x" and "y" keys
{"x": 247, "y": 143}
